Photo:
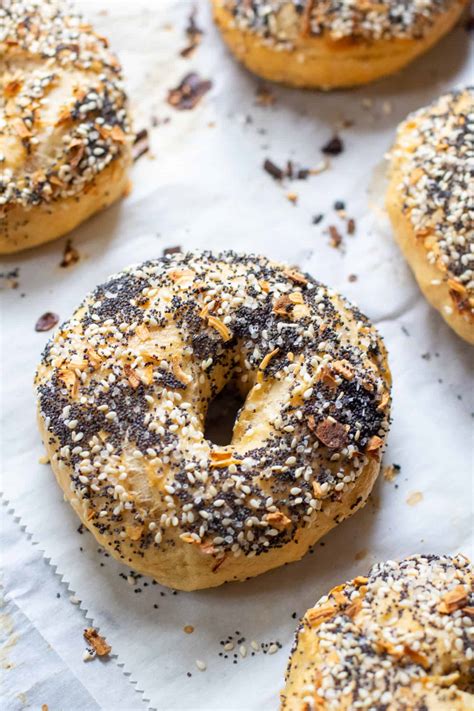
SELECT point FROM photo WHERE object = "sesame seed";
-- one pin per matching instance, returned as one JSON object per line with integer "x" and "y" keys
{"x": 156, "y": 425}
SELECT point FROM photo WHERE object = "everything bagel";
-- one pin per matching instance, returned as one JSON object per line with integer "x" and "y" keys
{"x": 65, "y": 135}
{"x": 431, "y": 206}
{"x": 123, "y": 390}
{"x": 326, "y": 44}
{"x": 399, "y": 639}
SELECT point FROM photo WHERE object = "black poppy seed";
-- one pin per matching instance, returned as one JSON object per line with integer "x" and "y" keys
{"x": 224, "y": 516}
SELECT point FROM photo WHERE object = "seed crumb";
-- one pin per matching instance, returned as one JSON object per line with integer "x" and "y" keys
{"x": 414, "y": 498}
{"x": 70, "y": 255}
{"x": 97, "y": 642}
{"x": 391, "y": 471}
{"x": 333, "y": 147}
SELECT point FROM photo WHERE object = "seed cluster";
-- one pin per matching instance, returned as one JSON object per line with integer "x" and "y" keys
{"x": 402, "y": 637}
{"x": 435, "y": 152}
{"x": 52, "y": 148}
{"x": 284, "y": 21}
{"x": 125, "y": 385}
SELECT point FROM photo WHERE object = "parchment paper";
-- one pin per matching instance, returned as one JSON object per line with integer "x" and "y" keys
{"x": 202, "y": 186}
{"x": 41, "y": 638}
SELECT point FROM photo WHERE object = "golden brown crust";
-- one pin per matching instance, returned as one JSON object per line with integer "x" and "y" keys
{"x": 400, "y": 638}
{"x": 123, "y": 391}
{"x": 428, "y": 201}
{"x": 22, "y": 228}
{"x": 310, "y": 45}
{"x": 65, "y": 136}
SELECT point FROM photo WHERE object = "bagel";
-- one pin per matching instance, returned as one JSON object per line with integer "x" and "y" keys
{"x": 431, "y": 204}
{"x": 123, "y": 390}
{"x": 65, "y": 135}
{"x": 328, "y": 44}
{"x": 400, "y": 639}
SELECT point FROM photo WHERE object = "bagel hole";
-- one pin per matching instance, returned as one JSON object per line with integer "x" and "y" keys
{"x": 221, "y": 415}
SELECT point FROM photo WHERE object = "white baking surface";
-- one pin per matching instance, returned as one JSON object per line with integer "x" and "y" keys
{"x": 203, "y": 186}
{"x": 41, "y": 638}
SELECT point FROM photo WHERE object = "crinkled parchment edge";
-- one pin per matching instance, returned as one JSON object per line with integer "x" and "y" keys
{"x": 83, "y": 606}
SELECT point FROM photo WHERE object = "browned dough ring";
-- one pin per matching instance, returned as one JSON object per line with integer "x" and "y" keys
{"x": 65, "y": 134}
{"x": 123, "y": 391}
{"x": 329, "y": 44}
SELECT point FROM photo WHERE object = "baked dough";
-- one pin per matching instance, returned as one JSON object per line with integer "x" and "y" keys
{"x": 431, "y": 204}
{"x": 65, "y": 136}
{"x": 400, "y": 639}
{"x": 326, "y": 44}
{"x": 123, "y": 391}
